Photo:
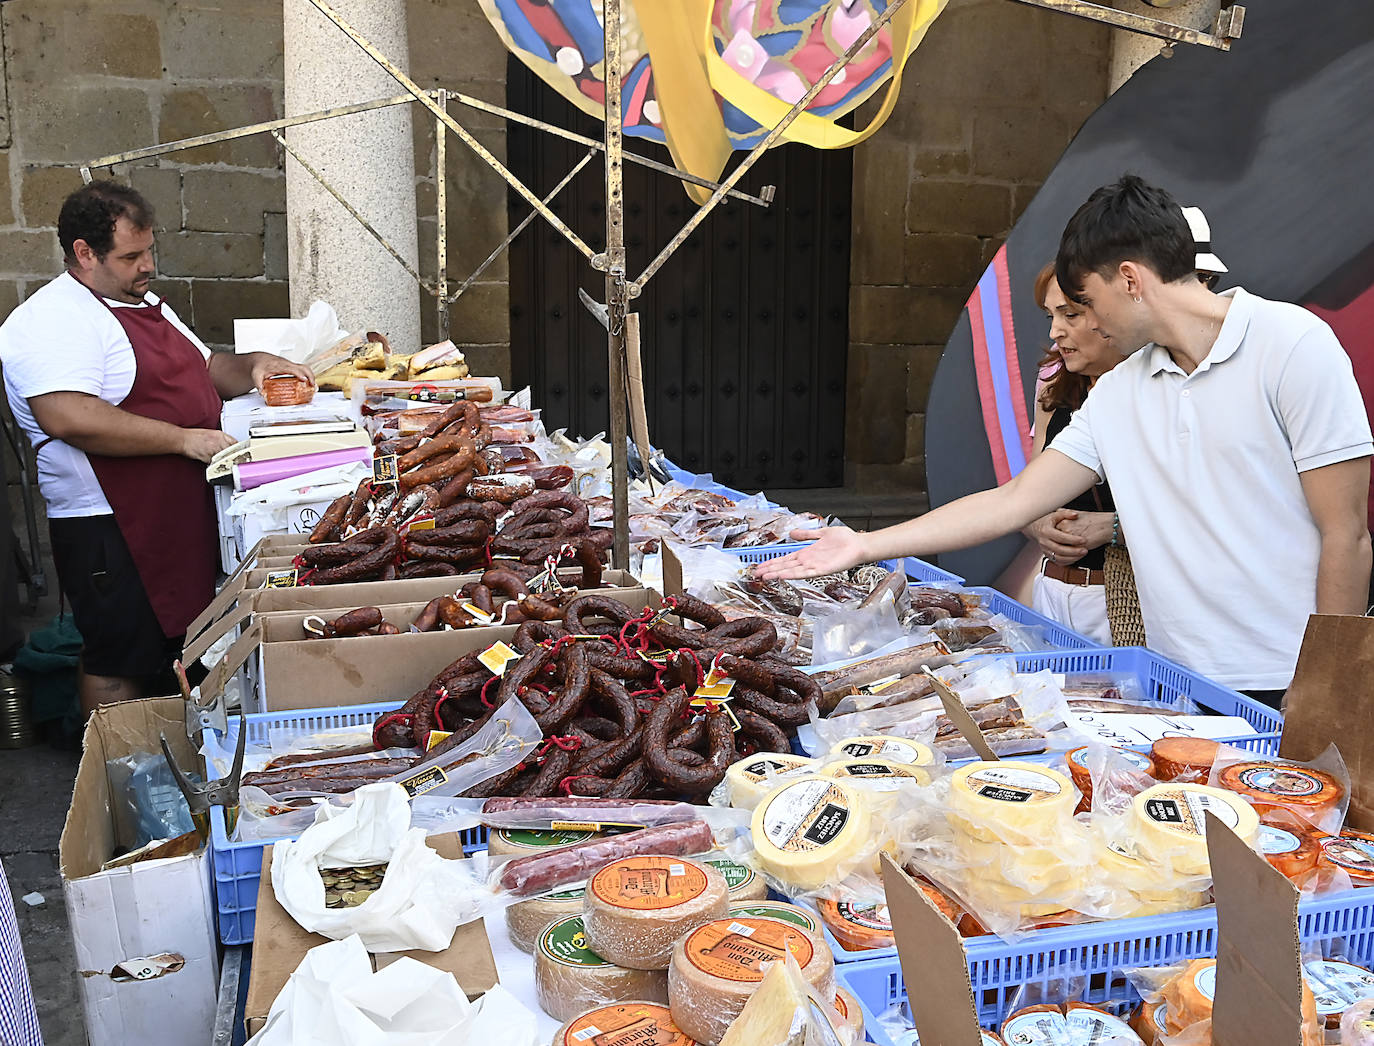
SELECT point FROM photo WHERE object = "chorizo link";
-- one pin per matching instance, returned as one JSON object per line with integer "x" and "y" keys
{"x": 557, "y": 763}
{"x": 448, "y": 443}
{"x": 467, "y": 509}
{"x": 440, "y": 471}
{"x": 353, "y": 622}
{"x": 419, "y": 568}
{"x": 540, "y": 873}
{"x": 365, "y": 565}
{"x": 674, "y": 771}
{"x": 463, "y": 532}
{"x": 455, "y": 488}
{"x": 328, "y": 526}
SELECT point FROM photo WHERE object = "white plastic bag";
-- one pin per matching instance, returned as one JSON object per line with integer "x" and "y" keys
{"x": 422, "y": 898}
{"x": 296, "y": 340}
{"x": 335, "y": 999}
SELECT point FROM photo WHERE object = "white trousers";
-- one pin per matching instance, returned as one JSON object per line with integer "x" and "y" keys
{"x": 1082, "y": 608}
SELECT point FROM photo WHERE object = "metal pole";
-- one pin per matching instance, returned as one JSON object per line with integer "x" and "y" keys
{"x": 441, "y": 217}
{"x": 1228, "y": 27}
{"x": 617, "y": 295}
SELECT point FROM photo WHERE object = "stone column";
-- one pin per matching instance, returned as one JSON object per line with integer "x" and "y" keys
{"x": 1131, "y": 50}
{"x": 368, "y": 157}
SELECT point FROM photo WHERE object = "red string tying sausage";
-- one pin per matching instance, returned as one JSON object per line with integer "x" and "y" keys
{"x": 485, "y": 687}
{"x": 443, "y": 693}
{"x": 567, "y": 742}
{"x": 565, "y": 785}
{"x": 391, "y": 717}
{"x": 302, "y": 579}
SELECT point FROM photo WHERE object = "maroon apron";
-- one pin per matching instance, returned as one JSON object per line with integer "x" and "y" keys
{"x": 162, "y": 503}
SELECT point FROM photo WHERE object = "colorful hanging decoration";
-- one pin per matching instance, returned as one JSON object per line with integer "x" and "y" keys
{"x": 706, "y": 77}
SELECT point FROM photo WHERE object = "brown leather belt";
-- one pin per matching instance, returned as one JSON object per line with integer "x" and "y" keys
{"x": 1081, "y": 576}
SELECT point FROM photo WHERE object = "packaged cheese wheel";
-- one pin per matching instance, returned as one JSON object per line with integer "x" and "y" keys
{"x": 1352, "y": 852}
{"x": 1336, "y": 986}
{"x": 947, "y": 905}
{"x": 1170, "y": 826}
{"x": 748, "y": 780}
{"x": 635, "y": 908}
{"x": 1190, "y": 995}
{"x": 1091, "y": 1024}
{"x": 788, "y": 913}
{"x": 880, "y": 746}
{"x": 526, "y": 921}
{"x": 743, "y": 882}
{"x": 1357, "y": 1024}
{"x": 990, "y": 1038}
{"x": 570, "y": 978}
{"x": 718, "y": 966}
{"x": 850, "y": 1011}
{"x": 1189, "y": 758}
{"x": 1009, "y": 801}
{"x": 857, "y": 926}
{"x": 641, "y": 1023}
{"x": 1314, "y": 794}
{"x": 810, "y": 833}
{"x": 1037, "y": 1026}
{"x": 521, "y": 842}
{"x": 880, "y": 773}
{"x": 1289, "y": 842}
{"x": 1081, "y": 775}
{"x": 1149, "y": 1022}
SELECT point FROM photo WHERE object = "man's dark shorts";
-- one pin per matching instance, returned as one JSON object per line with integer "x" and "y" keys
{"x": 109, "y": 605}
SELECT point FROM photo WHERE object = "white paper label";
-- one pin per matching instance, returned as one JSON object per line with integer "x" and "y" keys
{"x": 1126, "y": 729}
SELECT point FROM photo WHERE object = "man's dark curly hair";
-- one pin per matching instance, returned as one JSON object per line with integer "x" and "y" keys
{"x": 90, "y": 214}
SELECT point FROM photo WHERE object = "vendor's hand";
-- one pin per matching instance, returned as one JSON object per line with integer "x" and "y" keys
{"x": 265, "y": 365}
{"x": 833, "y": 549}
{"x": 1093, "y": 529}
{"x": 204, "y": 444}
{"x": 1058, "y": 543}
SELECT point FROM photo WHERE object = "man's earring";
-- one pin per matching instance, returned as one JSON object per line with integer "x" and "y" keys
{"x": 1137, "y": 299}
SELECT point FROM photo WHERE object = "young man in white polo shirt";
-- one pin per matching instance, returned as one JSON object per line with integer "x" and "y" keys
{"x": 1235, "y": 438}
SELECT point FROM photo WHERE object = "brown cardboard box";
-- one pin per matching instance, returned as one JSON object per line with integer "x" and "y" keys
{"x": 279, "y": 945}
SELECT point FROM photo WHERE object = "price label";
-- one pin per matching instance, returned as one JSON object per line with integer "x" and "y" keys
{"x": 423, "y": 781}
{"x": 384, "y": 469}
{"x": 715, "y": 687}
{"x": 420, "y": 523}
{"x": 282, "y": 578}
{"x": 496, "y": 657}
{"x": 437, "y": 736}
{"x": 483, "y": 618}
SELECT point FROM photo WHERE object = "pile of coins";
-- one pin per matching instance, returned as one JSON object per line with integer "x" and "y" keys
{"x": 350, "y": 887}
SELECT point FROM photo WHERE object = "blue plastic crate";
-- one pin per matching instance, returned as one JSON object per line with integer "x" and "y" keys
{"x": 238, "y": 866}
{"x": 1056, "y": 635}
{"x": 917, "y": 570}
{"x": 1103, "y": 951}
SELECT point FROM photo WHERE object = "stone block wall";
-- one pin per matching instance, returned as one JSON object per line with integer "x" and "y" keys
{"x": 990, "y": 99}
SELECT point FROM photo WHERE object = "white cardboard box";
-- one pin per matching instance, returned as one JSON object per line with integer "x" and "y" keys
{"x": 242, "y": 412}
{"x": 144, "y": 911}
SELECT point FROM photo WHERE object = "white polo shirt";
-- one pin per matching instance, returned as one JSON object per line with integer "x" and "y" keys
{"x": 1205, "y": 472}
{"x": 63, "y": 340}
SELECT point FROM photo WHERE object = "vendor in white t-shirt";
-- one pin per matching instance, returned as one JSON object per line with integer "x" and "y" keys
{"x": 1236, "y": 441}
{"x": 122, "y": 402}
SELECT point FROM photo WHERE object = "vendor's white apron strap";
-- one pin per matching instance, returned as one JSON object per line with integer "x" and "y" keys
{"x": 1082, "y": 608}
{"x": 18, "y": 1018}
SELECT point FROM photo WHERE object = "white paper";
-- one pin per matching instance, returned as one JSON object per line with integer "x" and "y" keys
{"x": 1125, "y": 729}
{"x": 293, "y": 339}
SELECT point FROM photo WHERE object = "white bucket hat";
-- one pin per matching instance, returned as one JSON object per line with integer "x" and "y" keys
{"x": 1202, "y": 234}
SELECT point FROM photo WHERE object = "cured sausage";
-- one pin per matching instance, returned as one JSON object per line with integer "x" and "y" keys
{"x": 448, "y": 443}
{"x": 469, "y": 509}
{"x": 463, "y": 532}
{"x": 552, "y": 477}
{"x": 540, "y": 873}
{"x": 438, "y": 471}
{"x": 357, "y": 508}
{"x": 354, "y": 622}
{"x": 459, "y": 556}
{"x": 328, "y": 526}
{"x": 455, "y": 488}
{"x": 388, "y": 545}
{"x": 505, "y": 583}
{"x": 507, "y": 488}
{"x": 577, "y": 511}
{"x": 673, "y": 770}
{"x": 420, "y": 568}
{"x": 427, "y": 620}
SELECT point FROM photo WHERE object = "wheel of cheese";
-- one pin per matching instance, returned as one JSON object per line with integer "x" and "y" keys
{"x": 640, "y": 1023}
{"x": 943, "y": 902}
{"x": 1289, "y": 842}
{"x": 1171, "y": 829}
{"x": 1091, "y": 1024}
{"x": 1352, "y": 852}
{"x": 883, "y": 774}
{"x": 1042, "y": 1025}
{"x": 989, "y": 1038}
{"x": 1314, "y": 794}
{"x": 570, "y": 978}
{"x": 857, "y": 926}
{"x": 743, "y": 882}
{"x": 526, "y": 921}
{"x": 635, "y": 908}
{"x": 1336, "y": 986}
{"x": 522, "y": 842}
{"x": 716, "y": 968}
{"x": 881, "y": 746}
{"x": 1189, "y": 758}
{"x": 1149, "y": 1022}
{"x": 810, "y": 833}
{"x": 1077, "y": 760}
{"x": 748, "y": 780}
{"x": 1142, "y": 888}
{"x": 1190, "y": 995}
{"x": 1010, "y": 802}
{"x": 850, "y": 1011}
{"x": 788, "y": 913}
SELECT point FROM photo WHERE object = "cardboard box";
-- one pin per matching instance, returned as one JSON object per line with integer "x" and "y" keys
{"x": 279, "y": 945}
{"x": 128, "y": 919}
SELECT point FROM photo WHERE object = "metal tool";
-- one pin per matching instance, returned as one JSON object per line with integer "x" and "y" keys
{"x": 223, "y": 791}
{"x": 202, "y": 713}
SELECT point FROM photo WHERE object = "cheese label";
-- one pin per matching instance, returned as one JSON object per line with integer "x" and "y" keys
{"x": 533, "y": 838}
{"x": 806, "y": 816}
{"x": 858, "y": 768}
{"x": 720, "y": 949}
{"x": 1079, "y": 758}
{"x": 1183, "y": 811}
{"x": 870, "y": 915}
{"x": 637, "y": 1023}
{"x": 737, "y": 876}
{"x": 1013, "y": 785}
{"x": 893, "y": 748}
{"x": 1276, "y": 841}
{"x": 1286, "y": 782}
{"x": 1356, "y": 856}
{"x": 1089, "y": 1025}
{"x": 1205, "y": 981}
{"x": 1036, "y": 1028}
{"x": 1337, "y": 985}
{"x": 777, "y": 910}
{"x": 645, "y": 884}
{"x": 496, "y": 657}
{"x": 761, "y": 770}
{"x": 565, "y": 942}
